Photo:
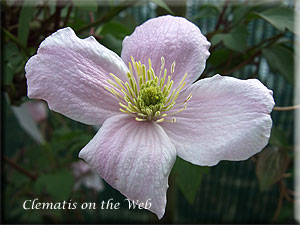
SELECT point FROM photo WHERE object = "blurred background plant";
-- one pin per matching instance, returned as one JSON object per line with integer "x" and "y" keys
{"x": 250, "y": 39}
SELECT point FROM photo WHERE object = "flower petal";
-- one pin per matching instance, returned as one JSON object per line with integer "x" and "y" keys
{"x": 134, "y": 157}
{"x": 174, "y": 38}
{"x": 226, "y": 119}
{"x": 70, "y": 74}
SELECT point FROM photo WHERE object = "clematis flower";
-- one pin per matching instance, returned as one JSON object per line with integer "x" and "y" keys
{"x": 29, "y": 114}
{"x": 86, "y": 176}
{"x": 151, "y": 110}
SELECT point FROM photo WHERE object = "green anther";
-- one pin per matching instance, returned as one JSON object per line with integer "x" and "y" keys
{"x": 150, "y": 63}
{"x": 151, "y": 95}
{"x": 130, "y": 68}
{"x": 148, "y": 74}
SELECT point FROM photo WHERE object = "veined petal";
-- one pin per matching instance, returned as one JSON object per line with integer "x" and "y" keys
{"x": 134, "y": 157}
{"x": 226, "y": 119}
{"x": 175, "y": 39}
{"x": 70, "y": 74}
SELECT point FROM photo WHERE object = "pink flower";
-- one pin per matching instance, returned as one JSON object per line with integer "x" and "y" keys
{"x": 151, "y": 111}
{"x": 29, "y": 114}
{"x": 86, "y": 176}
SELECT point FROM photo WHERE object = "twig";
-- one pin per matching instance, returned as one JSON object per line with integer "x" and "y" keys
{"x": 92, "y": 19}
{"x": 20, "y": 169}
{"x": 286, "y": 108}
{"x": 57, "y": 14}
{"x": 68, "y": 15}
{"x": 279, "y": 205}
{"x": 220, "y": 20}
{"x": 241, "y": 65}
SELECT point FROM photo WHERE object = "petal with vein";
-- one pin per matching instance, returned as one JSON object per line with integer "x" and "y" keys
{"x": 226, "y": 119}
{"x": 133, "y": 157}
{"x": 174, "y": 38}
{"x": 70, "y": 74}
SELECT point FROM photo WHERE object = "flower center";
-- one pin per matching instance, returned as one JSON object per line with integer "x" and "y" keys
{"x": 148, "y": 97}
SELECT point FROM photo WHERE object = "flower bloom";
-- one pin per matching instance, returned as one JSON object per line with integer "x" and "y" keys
{"x": 151, "y": 110}
{"x": 86, "y": 176}
{"x": 29, "y": 114}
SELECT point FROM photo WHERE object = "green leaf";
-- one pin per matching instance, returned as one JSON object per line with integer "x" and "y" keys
{"x": 163, "y": 5}
{"x": 280, "y": 59}
{"x": 271, "y": 165}
{"x": 13, "y": 62}
{"x": 219, "y": 56}
{"x": 188, "y": 178}
{"x": 278, "y": 138}
{"x": 206, "y": 11}
{"x": 112, "y": 43}
{"x": 239, "y": 14}
{"x": 116, "y": 29}
{"x": 236, "y": 40}
{"x": 280, "y": 17}
{"x": 58, "y": 185}
{"x": 87, "y": 5}
{"x": 24, "y": 22}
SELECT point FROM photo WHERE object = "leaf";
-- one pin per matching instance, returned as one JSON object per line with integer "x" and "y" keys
{"x": 278, "y": 138}
{"x": 163, "y": 5}
{"x": 280, "y": 17}
{"x": 26, "y": 121}
{"x": 280, "y": 59}
{"x": 188, "y": 178}
{"x": 112, "y": 43}
{"x": 219, "y": 56}
{"x": 58, "y": 185}
{"x": 12, "y": 62}
{"x": 236, "y": 40}
{"x": 207, "y": 11}
{"x": 116, "y": 29}
{"x": 24, "y": 22}
{"x": 240, "y": 13}
{"x": 271, "y": 165}
{"x": 87, "y": 5}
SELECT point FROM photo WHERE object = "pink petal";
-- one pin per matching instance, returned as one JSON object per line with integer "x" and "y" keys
{"x": 70, "y": 74}
{"x": 134, "y": 157}
{"x": 86, "y": 176}
{"x": 174, "y": 38}
{"x": 226, "y": 119}
{"x": 37, "y": 109}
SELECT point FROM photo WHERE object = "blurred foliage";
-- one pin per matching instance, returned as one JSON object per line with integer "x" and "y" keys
{"x": 44, "y": 171}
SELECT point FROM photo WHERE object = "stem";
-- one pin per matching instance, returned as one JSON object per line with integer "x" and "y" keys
{"x": 279, "y": 205}
{"x": 220, "y": 20}
{"x": 92, "y": 20}
{"x": 57, "y": 14}
{"x": 241, "y": 65}
{"x": 68, "y": 15}
{"x": 286, "y": 108}
{"x": 20, "y": 169}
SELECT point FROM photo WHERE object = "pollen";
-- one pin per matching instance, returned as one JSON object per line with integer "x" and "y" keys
{"x": 146, "y": 96}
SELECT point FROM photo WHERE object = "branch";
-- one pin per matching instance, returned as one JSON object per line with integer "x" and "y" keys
{"x": 286, "y": 108}
{"x": 241, "y": 65}
{"x": 20, "y": 169}
{"x": 220, "y": 20}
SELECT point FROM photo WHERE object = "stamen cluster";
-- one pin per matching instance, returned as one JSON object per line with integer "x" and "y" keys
{"x": 148, "y": 97}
